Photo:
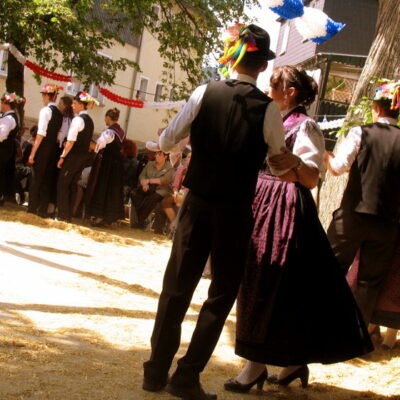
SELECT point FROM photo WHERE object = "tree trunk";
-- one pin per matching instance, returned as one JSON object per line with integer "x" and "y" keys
{"x": 15, "y": 83}
{"x": 383, "y": 61}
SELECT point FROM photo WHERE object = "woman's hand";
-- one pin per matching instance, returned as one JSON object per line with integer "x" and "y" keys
{"x": 286, "y": 160}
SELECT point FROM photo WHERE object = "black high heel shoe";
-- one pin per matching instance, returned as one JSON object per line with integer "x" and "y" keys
{"x": 302, "y": 373}
{"x": 234, "y": 386}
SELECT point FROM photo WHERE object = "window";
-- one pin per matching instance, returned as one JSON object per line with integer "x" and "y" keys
{"x": 157, "y": 11}
{"x": 141, "y": 95}
{"x": 285, "y": 39}
{"x": 159, "y": 90}
{"x": 3, "y": 62}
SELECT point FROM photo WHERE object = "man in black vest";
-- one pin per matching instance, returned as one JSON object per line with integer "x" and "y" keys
{"x": 370, "y": 209}
{"x": 75, "y": 154}
{"x": 232, "y": 126}
{"x": 43, "y": 156}
{"x": 9, "y": 127}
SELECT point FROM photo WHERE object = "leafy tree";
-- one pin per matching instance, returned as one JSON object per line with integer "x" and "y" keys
{"x": 383, "y": 61}
{"x": 67, "y": 34}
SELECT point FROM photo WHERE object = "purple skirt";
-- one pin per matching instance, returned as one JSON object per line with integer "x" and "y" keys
{"x": 294, "y": 306}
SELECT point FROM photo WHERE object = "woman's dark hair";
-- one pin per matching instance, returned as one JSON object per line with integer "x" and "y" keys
{"x": 113, "y": 113}
{"x": 68, "y": 112}
{"x": 129, "y": 148}
{"x": 291, "y": 76}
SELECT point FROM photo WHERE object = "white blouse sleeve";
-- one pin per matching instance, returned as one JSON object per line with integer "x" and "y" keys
{"x": 7, "y": 124}
{"x": 310, "y": 145}
{"x": 107, "y": 136}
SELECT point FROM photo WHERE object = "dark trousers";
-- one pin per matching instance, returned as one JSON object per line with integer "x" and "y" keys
{"x": 144, "y": 203}
{"x": 44, "y": 174}
{"x": 203, "y": 229}
{"x": 6, "y": 157}
{"x": 67, "y": 180}
{"x": 375, "y": 238}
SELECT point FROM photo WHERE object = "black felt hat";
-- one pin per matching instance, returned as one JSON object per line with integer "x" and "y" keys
{"x": 262, "y": 41}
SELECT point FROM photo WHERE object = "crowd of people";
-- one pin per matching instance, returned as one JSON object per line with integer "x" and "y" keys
{"x": 62, "y": 171}
{"x": 243, "y": 206}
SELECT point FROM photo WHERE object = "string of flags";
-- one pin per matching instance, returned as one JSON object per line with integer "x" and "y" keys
{"x": 105, "y": 92}
{"x": 312, "y": 23}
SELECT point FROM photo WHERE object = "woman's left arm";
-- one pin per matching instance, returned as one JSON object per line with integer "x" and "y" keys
{"x": 306, "y": 161}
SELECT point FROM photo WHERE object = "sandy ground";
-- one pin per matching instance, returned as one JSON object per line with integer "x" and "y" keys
{"x": 77, "y": 307}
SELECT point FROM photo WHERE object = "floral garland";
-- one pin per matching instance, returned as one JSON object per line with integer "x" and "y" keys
{"x": 121, "y": 100}
{"x": 9, "y": 98}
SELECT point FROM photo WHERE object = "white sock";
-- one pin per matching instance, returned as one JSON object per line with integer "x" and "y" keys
{"x": 250, "y": 372}
{"x": 390, "y": 337}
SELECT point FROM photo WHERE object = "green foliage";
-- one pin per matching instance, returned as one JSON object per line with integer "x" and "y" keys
{"x": 68, "y": 34}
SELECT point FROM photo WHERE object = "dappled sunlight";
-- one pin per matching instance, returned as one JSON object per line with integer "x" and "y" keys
{"x": 76, "y": 315}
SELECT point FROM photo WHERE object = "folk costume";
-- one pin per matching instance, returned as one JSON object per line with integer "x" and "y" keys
{"x": 9, "y": 127}
{"x": 81, "y": 133}
{"x": 370, "y": 209}
{"x": 44, "y": 167}
{"x": 105, "y": 196}
{"x": 294, "y": 306}
{"x": 232, "y": 126}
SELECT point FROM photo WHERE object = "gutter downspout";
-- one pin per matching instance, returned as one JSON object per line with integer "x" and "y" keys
{"x": 133, "y": 83}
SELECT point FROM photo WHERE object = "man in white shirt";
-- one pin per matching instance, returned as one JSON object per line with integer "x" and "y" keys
{"x": 370, "y": 209}
{"x": 8, "y": 132}
{"x": 44, "y": 152}
{"x": 232, "y": 127}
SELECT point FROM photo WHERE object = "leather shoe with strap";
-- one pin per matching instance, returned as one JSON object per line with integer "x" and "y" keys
{"x": 194, "y": 392}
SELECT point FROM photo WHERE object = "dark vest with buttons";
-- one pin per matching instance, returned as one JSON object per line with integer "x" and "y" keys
{"x": 374, "y": 179}
{"x": 53, "y": 127}
{"x": 227, "y": 140}
{"x": 82, "y": 143}
{"x": 9, "y": 143}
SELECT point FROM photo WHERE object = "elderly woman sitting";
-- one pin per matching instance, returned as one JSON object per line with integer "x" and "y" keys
{"x": 155, "y": 183}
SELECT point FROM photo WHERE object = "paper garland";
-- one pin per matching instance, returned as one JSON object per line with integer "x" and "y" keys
{"x": 312, "y": 23}
{"x": 105, "y": 92}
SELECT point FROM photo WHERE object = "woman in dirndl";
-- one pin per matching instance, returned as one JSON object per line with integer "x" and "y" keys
{"x": 294, "y": 306}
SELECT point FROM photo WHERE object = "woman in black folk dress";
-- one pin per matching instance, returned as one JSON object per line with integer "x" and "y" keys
{"x": 105, "y": 192}
{"x": 294, "y": 306}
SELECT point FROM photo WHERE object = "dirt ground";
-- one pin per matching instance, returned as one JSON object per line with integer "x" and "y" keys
{"x": 76, "y": 312}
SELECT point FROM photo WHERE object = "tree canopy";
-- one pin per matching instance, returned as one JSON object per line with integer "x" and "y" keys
{"x": 68, "y": 34}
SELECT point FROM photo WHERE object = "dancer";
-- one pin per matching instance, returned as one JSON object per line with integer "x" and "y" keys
{"x": 294, "y": 306}
{"x": 105, "y": 191}
{"x": 9, "y": 126}
{"x": 370, "y": 209}
{"x": 44, "y": 152}
{"x": 228, "y": 121}
{"x": 75, "y": 154}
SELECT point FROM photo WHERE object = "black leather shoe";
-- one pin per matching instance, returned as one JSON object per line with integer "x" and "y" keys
{"x": 153, "y": 385}
{"x": 194, "y": 392}
{"x": 234, "y": 386}
{"x": 302, "y": 373}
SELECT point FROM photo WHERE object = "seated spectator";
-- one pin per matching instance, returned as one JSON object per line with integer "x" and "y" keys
{"x": 129, "y": 153}
{"x": 155, "y": 181}
{"x": 23, "y": 170}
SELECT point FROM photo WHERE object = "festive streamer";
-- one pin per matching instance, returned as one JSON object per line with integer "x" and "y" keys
{"x": 105, "y": 92}
{"x": 312, "y": 24}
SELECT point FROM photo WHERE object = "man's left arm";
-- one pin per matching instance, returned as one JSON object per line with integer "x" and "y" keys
{"x": 179, "y": 128}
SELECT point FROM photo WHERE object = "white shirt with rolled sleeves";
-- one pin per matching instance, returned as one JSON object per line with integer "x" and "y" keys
{"x": 77, "y": 125}
{"x": 174, "y": 138}
{"x": 7, "y": 124}
{"x": 350, "y": 147}
{"x": 45, "y": 115}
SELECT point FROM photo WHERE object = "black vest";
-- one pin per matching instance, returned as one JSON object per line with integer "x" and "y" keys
{"x": 9, "y": 143}
{"x": 82, "y": 143}
{"x": 53, "y": 127}
{"x": 227, "y": 140}
{"x": 374, "y": 179}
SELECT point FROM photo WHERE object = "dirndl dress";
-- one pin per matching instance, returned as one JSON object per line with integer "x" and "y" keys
{"x": 294, "y": 306}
